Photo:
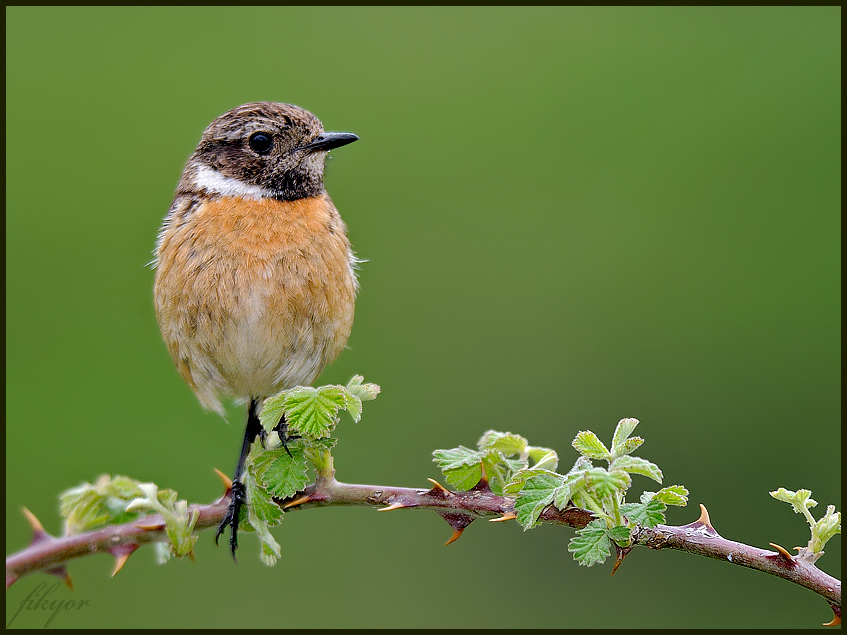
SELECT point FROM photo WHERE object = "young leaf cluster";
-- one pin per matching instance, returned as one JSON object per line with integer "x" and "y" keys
{"x": 498, "y": 457}
{"x": 528, "y": 474}
{"x": 113, "y": 500}
{"x": 822, "y": 530}
{"x": 277, "y": 470}
{"x": 95, "y": 505}
{"x": 179, "y": 522}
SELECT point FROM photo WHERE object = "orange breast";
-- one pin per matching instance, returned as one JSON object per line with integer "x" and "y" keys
{"x": 254, "y": 296}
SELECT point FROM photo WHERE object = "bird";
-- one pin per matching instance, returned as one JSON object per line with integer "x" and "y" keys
{"x": 255, "y": 278}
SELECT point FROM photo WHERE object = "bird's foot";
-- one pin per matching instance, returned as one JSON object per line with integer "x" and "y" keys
{"x": 282, "y": 430}
{"x": 233, "y": 511}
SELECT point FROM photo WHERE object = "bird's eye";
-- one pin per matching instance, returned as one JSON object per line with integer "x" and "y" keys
{"x": 261, "y": 142}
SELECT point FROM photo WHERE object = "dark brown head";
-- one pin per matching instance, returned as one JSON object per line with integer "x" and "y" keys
{"x": 263, "y": 150}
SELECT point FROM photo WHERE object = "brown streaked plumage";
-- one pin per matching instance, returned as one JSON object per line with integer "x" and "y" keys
{"x": 255, "y": 281}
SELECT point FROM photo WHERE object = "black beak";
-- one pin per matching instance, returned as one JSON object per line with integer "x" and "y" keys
{"x": 329, "y": 140}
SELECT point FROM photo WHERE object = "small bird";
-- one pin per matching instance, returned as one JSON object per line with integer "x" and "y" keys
{"x": 255, "y": 277}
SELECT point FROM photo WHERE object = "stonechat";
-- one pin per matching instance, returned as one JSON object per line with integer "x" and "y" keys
{"x": 255, "y": 278}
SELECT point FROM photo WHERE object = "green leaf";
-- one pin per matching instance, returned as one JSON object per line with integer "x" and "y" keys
{"x": 825, "y": 529}
{"x": 363, "y": 392}
{"x": 258, "y": 496}
{"x": 621, "y": 535}
{"x": 281, "y": 474}
{"x": 590, "y": 545}
{"x": 317, "y": 452}
{"x": 672, "y": 495}
{"x": 465, "y": 477}
{"x": 499, "y": 470}
{"x": 313, "y": 411}
{"x": 262, "y": 513}
{"x": 646, "y": 514}
{"x": 162, "y": 552}
{"x": 504, "y": 442}
{"x": 635, "y": 465}
{"x": 587, "y": 444}
{"x": 519, "y": 479}
{"x": 273, "y": 409}
{"x": 354, "y": 406}
{"x": 606, "y": 483}
{"x": 538, "y": 491}
{"x": 572, "y": 484}
{"x": 622, "y": 432}
{"x": 582, "y": 464}
{"x": 800, "y": 500}
{"x": 461, "y": 466}
{"x": 543, "y": 458}
{"x": 271, "y": 551}
{"x": 456, "y": 457}
{"x": 630, "y": 445}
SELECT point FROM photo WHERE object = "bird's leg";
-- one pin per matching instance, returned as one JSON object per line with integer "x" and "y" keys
{"x": 239, "y": 495}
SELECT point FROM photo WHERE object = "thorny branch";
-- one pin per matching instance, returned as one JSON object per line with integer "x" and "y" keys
{"x": 459, "y": 509}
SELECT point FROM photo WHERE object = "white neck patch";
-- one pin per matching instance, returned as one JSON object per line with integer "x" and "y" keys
{"x": 211, "y": 180}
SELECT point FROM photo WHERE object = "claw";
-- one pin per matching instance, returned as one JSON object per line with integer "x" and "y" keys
{"x": 231, "y": 519}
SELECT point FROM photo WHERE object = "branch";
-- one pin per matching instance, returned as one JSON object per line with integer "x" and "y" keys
{"x": 702, "y": 539}
{"x": 459, "y": 509}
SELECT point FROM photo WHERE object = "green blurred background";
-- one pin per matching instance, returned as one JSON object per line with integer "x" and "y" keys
{"x": 570, "y": 216}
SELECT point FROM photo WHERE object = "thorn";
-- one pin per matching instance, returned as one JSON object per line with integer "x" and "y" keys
{"x": 703, "y": 522}
{"x": 150, "y": 525}
{"x": 457, "y": 533}
{"x": 62, "y": 572}
{"x": 836, "y": 620}
{"x": 482, "y": 486}
{"x": 620, "y": 554}
{"x": 506, "y": 516}
{"x": 458, "y": 522}
{"x": 391, "y": 507}
{"x": 226, "y": 481}
{"x": 298, "y": 501}
{"x": 10, "y": 580}
{"x": 191, "y": 555}
{"x": 120, "y": 561}
{"x": 33, "y": 521}
{"x": 783, "y": 553}
{"x": 38, "y": 532}
{"x": 704, "y": 517}
{"x": 122, "y": 554}
{"x": 438, "y": 487}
